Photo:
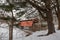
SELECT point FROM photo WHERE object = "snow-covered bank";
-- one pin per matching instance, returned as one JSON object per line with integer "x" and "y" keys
{"x": 54, "y": 36}
{"x": 20, "y": 35}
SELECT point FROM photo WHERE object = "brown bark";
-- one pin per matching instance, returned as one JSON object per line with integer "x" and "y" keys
{"x": 59, "y": 20}
{"x": 10, "y": 32}
{"x": 11, "y": 29}
{"x": 51, "y": 28}
{"x": 58, "y": 14}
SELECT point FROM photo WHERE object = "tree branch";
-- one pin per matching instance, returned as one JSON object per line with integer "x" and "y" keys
{"x": 38, "y": 8}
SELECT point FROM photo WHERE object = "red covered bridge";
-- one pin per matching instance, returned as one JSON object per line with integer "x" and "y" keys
{"x": 28, "y": 23}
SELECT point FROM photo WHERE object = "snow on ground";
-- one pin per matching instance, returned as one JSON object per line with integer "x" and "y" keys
{"x": 20, "y": 35}
{"x": 55, "y": 36}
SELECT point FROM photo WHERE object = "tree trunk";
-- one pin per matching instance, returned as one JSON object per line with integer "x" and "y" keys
{"x": 51, "y": 28}
{"x": 58, "y": 14}
{"x": 58, "y": 20}
{"x": 11, "y": 29}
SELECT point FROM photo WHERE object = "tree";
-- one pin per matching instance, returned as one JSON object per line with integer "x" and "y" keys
{"x": 48, "y": 12}
{"x": 51, "y": 28}
{"x": 9, "y": 8}
{"x": 58, "y": 14}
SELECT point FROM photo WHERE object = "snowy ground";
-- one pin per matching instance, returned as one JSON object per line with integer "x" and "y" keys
{"x": 20, "y": 35}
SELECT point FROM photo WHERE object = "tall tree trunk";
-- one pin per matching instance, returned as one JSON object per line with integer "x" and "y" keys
{"x": 58, "y": 20}
{"x": 58, "y": 14}
{"x": 11, "y": 29}
{"x": 51, "y": 28}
